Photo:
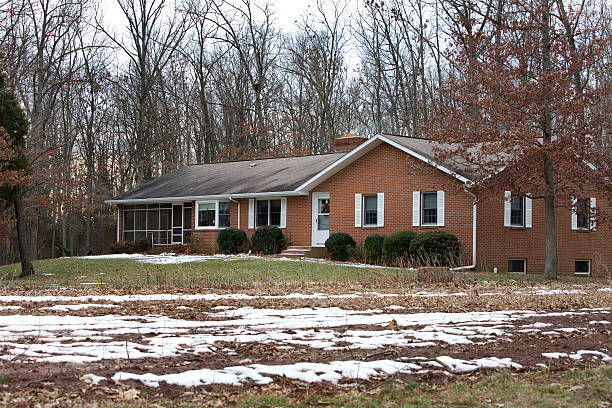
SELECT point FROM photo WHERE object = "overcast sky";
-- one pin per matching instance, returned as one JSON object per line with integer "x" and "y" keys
{"x": 286, "y": 13}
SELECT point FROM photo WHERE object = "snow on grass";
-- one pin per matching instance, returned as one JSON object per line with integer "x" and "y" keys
{"x": 92, "y": 379}
{"x": 311, "y": 372}
{"x": 578, "y": 355}
{"x": 91, "y": 338}
{"x": 65, "y": 308}
{"x": 464, "y": 366}
{"x": 10, "y": 308}
{"x": 544, "y": 292}
{"x": 215, "y": 297}
{"x": 171, "y": 258}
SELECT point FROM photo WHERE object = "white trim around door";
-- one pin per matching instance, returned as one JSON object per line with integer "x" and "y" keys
{"x": 320, "y": 218}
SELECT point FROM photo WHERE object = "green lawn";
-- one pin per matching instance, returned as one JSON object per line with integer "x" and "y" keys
{"x": 216, "y": 272}
{"x": 127, "y": 273}
{"x": 584, "y": 388}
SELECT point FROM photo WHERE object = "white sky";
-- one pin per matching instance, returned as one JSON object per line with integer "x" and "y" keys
{"x": 286, "y": 13}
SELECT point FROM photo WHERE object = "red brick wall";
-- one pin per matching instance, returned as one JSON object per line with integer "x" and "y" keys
{"x": 496, "y": 243}
{"x": 383, "y": 170}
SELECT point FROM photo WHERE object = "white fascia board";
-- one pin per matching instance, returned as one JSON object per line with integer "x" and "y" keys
{"x": 425, "y": 159}
{"x": 340, "y": 164}
{"x": 208, "y": 197}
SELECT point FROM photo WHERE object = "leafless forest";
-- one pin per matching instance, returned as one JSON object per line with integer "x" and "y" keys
{"x": 111, "y": 105}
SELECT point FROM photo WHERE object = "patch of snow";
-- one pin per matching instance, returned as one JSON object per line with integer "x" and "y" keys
{"x": 605, "y": 290}
{"x": 599, "y": 322}
{"x": 259, "y": 373}
{"x": 65, "y": 308}
{"x": 578, "y": 355}
{"x": 543, "y": 292}
{"x": 467, "y": 366}
{"x": 10, "y": 307}
{"x": 92, "y": 378}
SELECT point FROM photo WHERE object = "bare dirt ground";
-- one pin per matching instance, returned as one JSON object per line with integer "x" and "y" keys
{"x": 102, "y": 345}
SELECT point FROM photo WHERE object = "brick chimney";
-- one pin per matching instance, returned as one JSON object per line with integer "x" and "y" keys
{"x": 348, "y": 142}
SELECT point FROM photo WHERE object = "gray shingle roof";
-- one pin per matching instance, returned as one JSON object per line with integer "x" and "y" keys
{"x": 240, "y": 177}
{"x": 427, "y": 149}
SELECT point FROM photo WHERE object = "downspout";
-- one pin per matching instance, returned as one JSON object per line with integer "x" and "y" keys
{"x": 119, "y": 211}
{"x": 473, "y": 265}
{"x": 237, "y": 202}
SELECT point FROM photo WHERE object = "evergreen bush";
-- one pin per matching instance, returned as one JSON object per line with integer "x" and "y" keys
{"x": 231, "y": 241}
{"x": 338, "y": 245}
{"x": 435, "y": 248}
{"x": 268, "y": 240}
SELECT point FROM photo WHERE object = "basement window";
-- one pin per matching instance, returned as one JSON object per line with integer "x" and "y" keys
{"x": 582, "y": 267}
{"x": 517, "y": 265}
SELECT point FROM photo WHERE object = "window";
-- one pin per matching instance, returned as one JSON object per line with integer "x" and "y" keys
{"x": 224, "y": 214}
{"x": 370, "y": 204}
{"x": 583, "y": 212}
{"x": 206, "y": 214}
{"x": 517, "y": 212}
{"x": 212, "y": 214}
{"x": 516, "y": 265}
{"x": 430, "y": 208}
{"x": 268, "y": 212}
{"x": 582, "y": 267}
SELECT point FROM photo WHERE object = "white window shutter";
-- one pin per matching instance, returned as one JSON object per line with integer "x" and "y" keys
{"x": 507, "y": 207}
{"x": 416, "y": 208}
{"x": 593, "y": 213}
{"x": 251, "y": 213}
{"x": 574, "y": 214}
{"x": 357, "y": 210}
{"x": 216, "y": 214}
{"x": 380, "y": 209}
{"x": 440, "y": 215}
{"x": 528, "y": 212}
{"x": 283, "y": 223}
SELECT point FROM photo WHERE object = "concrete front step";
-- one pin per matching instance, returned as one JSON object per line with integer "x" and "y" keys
{"x": 303, "y": 251}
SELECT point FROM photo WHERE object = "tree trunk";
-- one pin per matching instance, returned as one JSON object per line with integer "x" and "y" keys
{"x": 27, "y": 269}
{"x": 550, "y": 260}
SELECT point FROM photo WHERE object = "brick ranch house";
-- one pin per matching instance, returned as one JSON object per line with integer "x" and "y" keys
{"x": 370, "y": 186}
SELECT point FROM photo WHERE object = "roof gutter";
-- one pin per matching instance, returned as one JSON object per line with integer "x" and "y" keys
{"x": 208, "y": 197}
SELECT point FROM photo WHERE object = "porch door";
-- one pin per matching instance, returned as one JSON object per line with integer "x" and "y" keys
{"x": 320, "y": 218}
{"x": 177, "y": 224}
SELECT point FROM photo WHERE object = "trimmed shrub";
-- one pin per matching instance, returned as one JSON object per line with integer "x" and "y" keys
{"x": 373, "y": 248}
{"x": 338, "y": 245}
{"x": 130, "y": 247}
{"x": 268, "y": 240}
{"x": 355, "y": 253}
{"x": 231, "y": 240}
{"x": 435, "y": 248}
{"x": 396, "y": 247}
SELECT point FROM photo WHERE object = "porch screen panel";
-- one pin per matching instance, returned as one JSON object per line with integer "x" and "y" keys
{"x": 147, "y": 222}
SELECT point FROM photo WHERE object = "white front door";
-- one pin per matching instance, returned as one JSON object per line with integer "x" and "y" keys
{"x": 320, "y": 218}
